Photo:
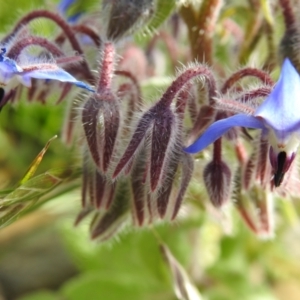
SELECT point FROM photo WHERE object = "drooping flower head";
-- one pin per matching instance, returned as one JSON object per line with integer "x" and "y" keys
{"x": 279, "y": 118}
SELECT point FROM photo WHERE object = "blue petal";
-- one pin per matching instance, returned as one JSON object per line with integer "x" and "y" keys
{"x": 220, "y": 127}
{"x": 8, "y": 68}
{"x": 281, "y": 110}
{"x": 2, "y": 53}
{"x": 57, "y": 74}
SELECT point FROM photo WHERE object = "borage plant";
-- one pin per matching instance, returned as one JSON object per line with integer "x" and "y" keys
{"x": 146, "y": 162}
{"x": 137, "y": 162}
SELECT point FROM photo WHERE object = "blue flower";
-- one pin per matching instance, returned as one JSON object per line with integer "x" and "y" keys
{"x": 11, "y": 73}
{"x": 278, "y": 117}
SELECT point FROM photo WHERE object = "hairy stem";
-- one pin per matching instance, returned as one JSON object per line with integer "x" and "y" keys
{"x": 20, "y": 45}
{"x": 184, "y": 78}
{"x": 259, "y": 74}
{"x": 106, "y": 69}
{"x": 61, "y": 23}
{"x": 83, "y": 29}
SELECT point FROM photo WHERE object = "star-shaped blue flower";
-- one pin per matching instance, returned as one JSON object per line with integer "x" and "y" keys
{"x": 279, "y": 118}
{"x": 11, "y": 73}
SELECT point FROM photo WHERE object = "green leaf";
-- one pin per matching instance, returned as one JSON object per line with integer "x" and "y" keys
{"x": 36, "y": 162}
{"x": 36, "y": 187}
{"x": 133, "y": 261}
{"x": 11, "y": 215}
{"x": 97, "y": 285}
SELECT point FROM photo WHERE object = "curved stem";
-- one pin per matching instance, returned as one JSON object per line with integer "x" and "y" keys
{"x": 253, "y": 94}
{"x": 83, "y": 29}
{"x": 61, "y": 23}
{"x": 20, "y": 45}
{"x": 106, "y": 68}
{"x": 184, "y": 78}
{"x": 134, "y": 81}
{"x": 217, "y": 152}
{"x": 259, "y": 74}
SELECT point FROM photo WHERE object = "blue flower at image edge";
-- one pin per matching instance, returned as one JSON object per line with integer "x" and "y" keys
{"x": 279, "y": 118}
{"x": 11, "y": 74}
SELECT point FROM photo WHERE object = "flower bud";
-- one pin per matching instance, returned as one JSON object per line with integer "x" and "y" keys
{"x": 125, "y": 15}
{"x": 106, "y": 224}
{"x": 139, "y": 191}
{"x": 217, "y": 179}
{"x": 101, "y": 118}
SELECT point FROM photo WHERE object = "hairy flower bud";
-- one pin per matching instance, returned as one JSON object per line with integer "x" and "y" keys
{"x": 101, "y": 118}
{"x": 217, "y": 179}
{"x": 105, "y": 224}
{"x": 141, "y": 212}
{"x": 171, "y": 193}
{"x": 158, "y": 129}
{"x": 124, "y": 15}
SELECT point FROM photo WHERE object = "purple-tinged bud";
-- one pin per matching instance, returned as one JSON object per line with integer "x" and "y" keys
{"x": 138, "y": 136}
{"x": 139, "y": 191}
{"x": 163, "y": 197}
{"x": 171, "y": 192}
{"x": 160, "y": 124}
{"x": 101, "y": 118}
{"x": 217, "y": 179}
{"x": 187, "y": 163}
{"x": 85, "y": 211}
{"x": 126, "y": 15}
{"x": 104, "y": 191}
{"x": 161, "y": 144}
{"x": 161, "y": 127}
{"x": 106, "y": 224}
{"x": 101, "y": 113}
